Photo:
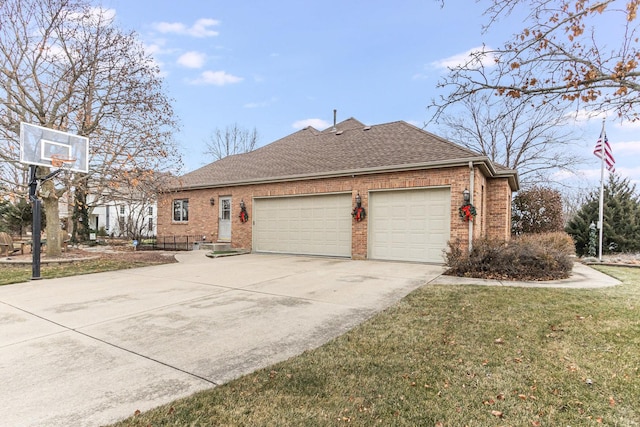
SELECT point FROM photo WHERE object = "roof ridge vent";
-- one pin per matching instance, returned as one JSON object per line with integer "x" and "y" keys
{"x": 367, "y": 128}
{"x": 339, "y": 132}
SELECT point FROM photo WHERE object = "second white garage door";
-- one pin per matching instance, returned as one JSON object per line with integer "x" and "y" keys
{"x": 309, "y": 225}
{"x": 409, "y": 225}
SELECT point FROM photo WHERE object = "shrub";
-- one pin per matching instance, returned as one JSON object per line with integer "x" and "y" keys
{"x": 536, "y": 210}
{"x": 545, "y": 256}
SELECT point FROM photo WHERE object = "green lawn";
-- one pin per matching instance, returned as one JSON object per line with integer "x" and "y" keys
{"x": 15, "y": 274}
{"x": 451, "y": 356}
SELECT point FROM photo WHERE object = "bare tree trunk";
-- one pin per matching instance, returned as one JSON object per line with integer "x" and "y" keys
{"x": 80, "y": 218}
{"x": 51, "y": 209}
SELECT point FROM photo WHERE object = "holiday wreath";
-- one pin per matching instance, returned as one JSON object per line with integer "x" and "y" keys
{"x": 358, "y": 214}
{"x": 467, "y": 212}
{"x": 244, "y": 215}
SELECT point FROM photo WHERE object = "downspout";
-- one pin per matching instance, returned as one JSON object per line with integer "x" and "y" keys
{"x": 471, "y": 179}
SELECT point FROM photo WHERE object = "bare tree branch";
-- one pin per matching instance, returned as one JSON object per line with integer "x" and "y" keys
{"x": 519, "y": 136}
{"x": 231, "y": 140}
{"x": 580, "y": 52}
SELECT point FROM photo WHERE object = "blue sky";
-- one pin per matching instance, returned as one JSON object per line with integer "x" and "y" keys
{"x": 282, "y": 65}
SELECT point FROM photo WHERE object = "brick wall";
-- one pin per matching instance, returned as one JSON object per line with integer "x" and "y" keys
{"x": 499, "y": 208}
{"x": 203, "y": 217}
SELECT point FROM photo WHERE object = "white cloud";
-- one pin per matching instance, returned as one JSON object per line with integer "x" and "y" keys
{"x": 565, "y": 175}
{"x": 316, "y": 123}
{"x": 201, "y": 28}
{"x": 581, "y": 117}
{"x": 153, "y": 49}
{"x": 584, "y": 116}
{"x": 94, "y": 15}
{"x": 192, "y": 59}
{"x": 216, "y": 78}
{"x": 159, "y": 46}
{"x": 104, "y": 13}
{"x": 628, "y": 148}
{"x": 473, "y": 57}
{"x": 170, "y": 27}
{"x": 628, "y": 124}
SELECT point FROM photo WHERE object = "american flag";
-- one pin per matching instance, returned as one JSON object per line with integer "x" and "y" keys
{"x": 608, "y": 154}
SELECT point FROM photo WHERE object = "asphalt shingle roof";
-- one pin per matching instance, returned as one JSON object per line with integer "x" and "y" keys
{"x": 350, "y": 147}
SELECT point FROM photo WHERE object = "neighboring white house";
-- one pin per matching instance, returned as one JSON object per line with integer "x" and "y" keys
{"x": 125, "y": 209}
{"x": 125, "y": 218}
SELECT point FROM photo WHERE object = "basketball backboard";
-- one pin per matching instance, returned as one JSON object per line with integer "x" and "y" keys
{"x": 38, "y": 144}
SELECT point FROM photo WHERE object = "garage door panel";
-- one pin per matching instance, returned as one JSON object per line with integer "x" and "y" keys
{"x": 310, "y": 225}
{"x": 409, "y": 225}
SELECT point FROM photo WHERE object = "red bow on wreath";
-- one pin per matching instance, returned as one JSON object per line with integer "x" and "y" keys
{"x": 467, "y": 212}
{"x": 358, "y": 214}
{"x": 244, "y": 215}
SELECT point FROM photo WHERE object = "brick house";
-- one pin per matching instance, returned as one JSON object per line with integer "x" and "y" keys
{"x": 300, "y": 193}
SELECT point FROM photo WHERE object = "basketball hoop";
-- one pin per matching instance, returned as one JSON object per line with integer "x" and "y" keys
{"x": 60, "y": 161}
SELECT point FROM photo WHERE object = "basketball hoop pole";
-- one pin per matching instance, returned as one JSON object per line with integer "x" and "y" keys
{"x": 42, "y": 146}
{"x": 36, "y": 220}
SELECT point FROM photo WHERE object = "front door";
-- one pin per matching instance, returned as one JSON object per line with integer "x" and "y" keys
{"x": 224, "y": 219}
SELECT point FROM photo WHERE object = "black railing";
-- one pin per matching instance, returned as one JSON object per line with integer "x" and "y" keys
{"x": 174, "y": 243}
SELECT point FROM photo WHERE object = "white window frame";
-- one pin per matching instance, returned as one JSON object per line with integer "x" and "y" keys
{"x": 180, "y": 210}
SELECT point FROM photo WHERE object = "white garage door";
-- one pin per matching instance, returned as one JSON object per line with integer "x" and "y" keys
{"x": 309, "y": 225}
{"x": 409, "y": 225}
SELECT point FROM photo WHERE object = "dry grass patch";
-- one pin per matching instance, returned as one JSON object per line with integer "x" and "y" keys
{"x": 451, "y": 356}
{"x": 100, "y": 262}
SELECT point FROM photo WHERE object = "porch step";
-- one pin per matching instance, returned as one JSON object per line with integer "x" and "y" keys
{"x": 215, "y": 247}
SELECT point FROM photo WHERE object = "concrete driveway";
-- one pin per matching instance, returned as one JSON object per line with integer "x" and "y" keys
{"x": 90, "y": 350}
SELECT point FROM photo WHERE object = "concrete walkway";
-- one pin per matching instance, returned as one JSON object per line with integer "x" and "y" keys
{"x": 90, "y": 350}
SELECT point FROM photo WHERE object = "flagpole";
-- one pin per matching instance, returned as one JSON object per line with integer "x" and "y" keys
{"x": 601, "y": 208}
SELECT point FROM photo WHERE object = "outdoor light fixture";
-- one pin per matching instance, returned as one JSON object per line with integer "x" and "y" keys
{"x": 466, "y": 195}
{"x": 358, "y": 200}
{"x": 212, "y": 201}
{"x": 242, "y": 204}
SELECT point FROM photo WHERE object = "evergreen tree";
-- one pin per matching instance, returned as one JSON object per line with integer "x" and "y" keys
{"x": 16, "y": 218}
{"x": 621, "y": 232}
